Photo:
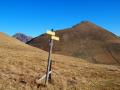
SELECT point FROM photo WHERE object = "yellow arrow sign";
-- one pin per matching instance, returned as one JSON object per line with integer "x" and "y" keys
{"x": 51, "y": 33}
{"x": 55, "y": 38}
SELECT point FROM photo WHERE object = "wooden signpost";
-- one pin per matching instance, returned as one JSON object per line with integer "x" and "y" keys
{"x": 48, "y": 74}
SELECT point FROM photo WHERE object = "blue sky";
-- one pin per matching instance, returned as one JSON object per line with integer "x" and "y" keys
{"x": 34, "y": 17}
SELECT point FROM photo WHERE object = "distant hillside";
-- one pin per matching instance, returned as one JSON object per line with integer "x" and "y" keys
{"x": 22, "y": 65}
{"x": 85, "y": 40}
{"x": 22, "y": 37}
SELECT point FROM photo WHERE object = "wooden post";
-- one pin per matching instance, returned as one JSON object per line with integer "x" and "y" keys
{"x": 48, "y": 76}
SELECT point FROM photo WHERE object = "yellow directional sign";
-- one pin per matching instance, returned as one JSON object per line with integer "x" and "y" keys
{"x": 51, "y": 33}
{"x": 55, "y": 38}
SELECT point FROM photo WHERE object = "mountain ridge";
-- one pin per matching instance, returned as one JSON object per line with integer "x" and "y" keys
{"x": 22, "y": 37}
{"x": 85, "y": 40}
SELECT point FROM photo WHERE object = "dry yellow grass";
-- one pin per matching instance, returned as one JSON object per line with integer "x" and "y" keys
{"x": 21, "y": 65}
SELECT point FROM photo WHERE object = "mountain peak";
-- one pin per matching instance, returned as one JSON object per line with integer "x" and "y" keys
{"x": 84, "y": 23}
{"x": 85, "y": 40}
{"x": 22, "y": 37}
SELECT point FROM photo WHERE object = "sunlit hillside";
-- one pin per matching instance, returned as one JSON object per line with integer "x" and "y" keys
{"x": 21, "y": 65}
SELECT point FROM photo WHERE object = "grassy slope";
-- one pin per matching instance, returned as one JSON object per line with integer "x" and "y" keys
{"x": 21, "y": 65}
